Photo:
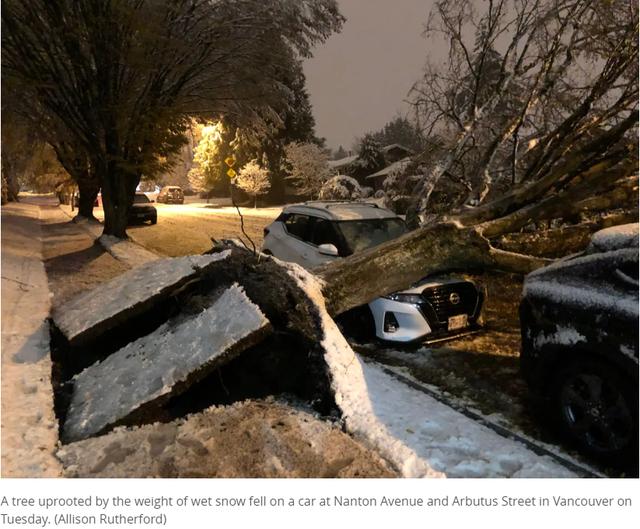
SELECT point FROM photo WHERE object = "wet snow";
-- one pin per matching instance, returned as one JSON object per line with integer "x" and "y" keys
{"x": 450, "y": 442}
{"x": 584, "y": 296}
{"x": 561, "y": 336}
{"x": 29, "y": 427}
{"x": 151, "y": 367}
{"x": 135, "y": 287}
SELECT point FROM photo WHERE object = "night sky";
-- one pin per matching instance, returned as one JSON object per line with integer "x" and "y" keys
{"x": 359, "y": 78}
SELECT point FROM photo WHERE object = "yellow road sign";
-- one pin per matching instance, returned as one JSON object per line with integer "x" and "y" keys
{"x": 230, "y": 161}
{"x": 231, "y": 173}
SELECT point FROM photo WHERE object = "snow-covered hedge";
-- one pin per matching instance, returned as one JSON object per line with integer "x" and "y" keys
{"x": 342, "y": 187}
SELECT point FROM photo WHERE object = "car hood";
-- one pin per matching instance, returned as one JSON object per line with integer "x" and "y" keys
{"x": 587, "y": 282}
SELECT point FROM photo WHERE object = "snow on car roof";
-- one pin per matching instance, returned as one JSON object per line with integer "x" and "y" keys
{"x": 615, "y": 238}
{"x": 342, "y": 210}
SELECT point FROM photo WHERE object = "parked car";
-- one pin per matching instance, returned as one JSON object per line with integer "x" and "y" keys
{"x": 314, "y": 233}
{"x": 96, "y": 203}
{"x": 171, "y": 195}
{"x": 142, "y": 210}
{"x": 579, "y": 355}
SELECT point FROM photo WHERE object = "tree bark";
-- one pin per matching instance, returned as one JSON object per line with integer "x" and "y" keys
{"x": 118, "y": 189}
{"x": 566, "y": 240}
{"x": 88, "y": 194}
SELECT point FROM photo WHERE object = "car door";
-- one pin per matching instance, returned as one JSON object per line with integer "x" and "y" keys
{"x": 299, "y": 249}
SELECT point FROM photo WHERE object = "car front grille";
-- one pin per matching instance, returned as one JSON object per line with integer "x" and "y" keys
{"x": 452, "y": 299}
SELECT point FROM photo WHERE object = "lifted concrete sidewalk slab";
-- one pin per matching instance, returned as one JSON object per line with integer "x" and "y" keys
{"x": 142, "y": 375}
{"x": 92, "y": 313}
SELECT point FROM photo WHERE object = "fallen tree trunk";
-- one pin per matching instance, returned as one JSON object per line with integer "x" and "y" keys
{"x": 561, "y": 241}
{"x": 395, "y": 265}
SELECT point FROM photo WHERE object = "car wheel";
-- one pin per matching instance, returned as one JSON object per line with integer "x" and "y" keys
{"x": 596, "y": 407}
{"x": 154, "y": 220}
{"x": 358, "y": 324}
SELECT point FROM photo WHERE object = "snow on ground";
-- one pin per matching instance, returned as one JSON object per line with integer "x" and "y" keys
{"x": 448, "y": 440}
{"x": 350, "y": 388}
{"x": 151, "y": 367}
{"x": 419, "y": 435}
{"x": 133, "y": 255}
{"x": 133, "y": 288}
{"x": 29, "y": 427}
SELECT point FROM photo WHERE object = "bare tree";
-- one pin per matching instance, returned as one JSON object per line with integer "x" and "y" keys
{"x": 525, "y": 86}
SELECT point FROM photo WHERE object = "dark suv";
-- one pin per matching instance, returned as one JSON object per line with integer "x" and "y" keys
{"x": 579, "y": 356}
{"x": 171, "y": 195}
{"x": 142, "y": 210}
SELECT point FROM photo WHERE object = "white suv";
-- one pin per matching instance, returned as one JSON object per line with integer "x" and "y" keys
{"x": 314, "y": 233}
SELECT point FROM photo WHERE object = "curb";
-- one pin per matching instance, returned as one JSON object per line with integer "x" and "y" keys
{"x": 130, "y": 252}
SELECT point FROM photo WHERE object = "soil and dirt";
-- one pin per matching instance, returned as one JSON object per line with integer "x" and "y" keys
{"x": 251, "y": 439}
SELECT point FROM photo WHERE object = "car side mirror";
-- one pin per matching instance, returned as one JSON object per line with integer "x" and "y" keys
{"x": 328, "y": 249}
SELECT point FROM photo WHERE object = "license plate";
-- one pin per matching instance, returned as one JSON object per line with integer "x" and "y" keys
{"x": 458, "y": 322}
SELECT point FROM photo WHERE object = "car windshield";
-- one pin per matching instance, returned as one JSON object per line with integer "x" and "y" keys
{"x": 362, "y": 234}
{"x": 140, "y": 199}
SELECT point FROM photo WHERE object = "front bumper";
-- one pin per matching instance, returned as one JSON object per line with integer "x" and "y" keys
{"x": 421, "y": 322}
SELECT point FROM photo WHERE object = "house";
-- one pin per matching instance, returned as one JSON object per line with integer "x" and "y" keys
{"x": 340, "y": 166}
{"x": 395, "y": 151}
{"x": 377, "y": 179}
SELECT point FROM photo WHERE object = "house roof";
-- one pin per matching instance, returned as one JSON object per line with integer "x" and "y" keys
{"x": 400, "y": 165}
{"x": 387, "y": 148}
{"x": 343, "y": 162}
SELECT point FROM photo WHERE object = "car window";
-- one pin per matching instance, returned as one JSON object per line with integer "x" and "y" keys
{"x": 324, "y": 232}
{"x": 363, "y": 234}
{"x": 298, "y": 226}
{"x": 140, "y": 199}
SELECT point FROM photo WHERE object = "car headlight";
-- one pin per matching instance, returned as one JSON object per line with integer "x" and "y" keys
{"x": 414, "y": 299}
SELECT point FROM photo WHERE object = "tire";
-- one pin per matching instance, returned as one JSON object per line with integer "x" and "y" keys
{"x": 358, "y": 324}
{"x": 154, "y": 220}
{"x": 596, "y": 408}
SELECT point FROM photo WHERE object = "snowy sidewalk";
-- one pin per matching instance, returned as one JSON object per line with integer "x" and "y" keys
{"x": 29, "y": 427}
{"x": 449, "y": 441}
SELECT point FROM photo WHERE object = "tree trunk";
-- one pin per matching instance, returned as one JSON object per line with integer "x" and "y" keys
{"x": 88, "y": 191}
{"x": 118, "y": 189}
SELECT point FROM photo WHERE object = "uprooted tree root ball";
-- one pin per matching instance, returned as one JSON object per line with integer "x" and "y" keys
{"x": 286, "y": 359}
